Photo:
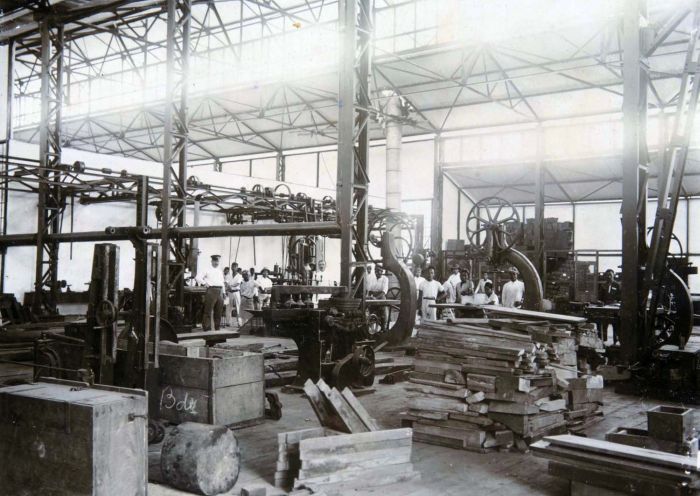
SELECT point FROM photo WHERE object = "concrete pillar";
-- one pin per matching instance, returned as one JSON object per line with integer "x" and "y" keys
{"x": 394, "y": 133}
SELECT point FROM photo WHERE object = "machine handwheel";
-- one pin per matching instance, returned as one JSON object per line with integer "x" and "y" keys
{"x": 106, "y": 313}
{"x": 363, "y": 360}
{"x": 492, "y": 215}
{"x": 156, "y": 431}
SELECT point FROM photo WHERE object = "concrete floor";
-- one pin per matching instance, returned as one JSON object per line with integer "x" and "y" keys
{"x": 444, "y": 471}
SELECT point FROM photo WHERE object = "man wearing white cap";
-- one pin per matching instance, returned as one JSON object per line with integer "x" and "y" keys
{"x": 213, "y": 278}
{"x": 513, "y": 291}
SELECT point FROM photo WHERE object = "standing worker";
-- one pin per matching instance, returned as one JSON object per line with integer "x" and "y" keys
{"x": 213, "y": 279}
{"x": 513, "y": 291}
{"x": 233, "y": 286}
{"x": 454, "y": 276}
{"x": 264, "y": 287}
{"x": 377, "y": 288}
{"x": 429, "y": 291}
{"x": 249, "y": 295}
{"x": 225, "y": 316}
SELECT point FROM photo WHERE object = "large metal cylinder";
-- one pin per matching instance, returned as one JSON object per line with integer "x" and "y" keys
{"x": 200, "y": 458}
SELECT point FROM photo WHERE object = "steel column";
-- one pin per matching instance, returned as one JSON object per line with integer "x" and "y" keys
{"x": 10, "y": 82}
{"x": 175, "y": 148}
{"x": 51, "y": 203}
{"x": 438, "y": 184}
{"x": 539, "y": 202}
{"x": 633, "y": 121}
{"x": 356, "y": 26}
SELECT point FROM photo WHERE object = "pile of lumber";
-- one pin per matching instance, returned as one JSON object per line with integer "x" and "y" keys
{"x": 584, "y": 402}
{"x": 288, "y": 461}
{"x": 476, "y": 386}
{"x": 348, "y": 453}
{"x": 597, "y": 467}
{"x": 339, "y": 464}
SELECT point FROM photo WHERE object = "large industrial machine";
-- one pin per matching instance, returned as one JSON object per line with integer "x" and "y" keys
{"x": 491, "y": 241}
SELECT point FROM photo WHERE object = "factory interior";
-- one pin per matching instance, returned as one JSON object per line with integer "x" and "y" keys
{"x": 349, "y": 247}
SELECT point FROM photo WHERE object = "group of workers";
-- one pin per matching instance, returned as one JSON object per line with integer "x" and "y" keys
{"x": 229, "y": 288}
{"x": 459, "y": 288}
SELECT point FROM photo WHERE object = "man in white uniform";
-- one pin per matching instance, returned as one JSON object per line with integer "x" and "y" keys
{"x": 233, "y": 286}
{"x": 377, "y": 288}
{"x": 450, "y": 297}
{"x": 491, "y": 297}
{"x": 465, "y": 288}
{"x": 249, "y": 295}
{"x": 264, "y": 288}
{"x": 454, "y": 277}
{"x": 513, "y": 291}
{"x": 428, "y": 293}
{"x": 213, "y": 278}
{"x": 484, "y": 279}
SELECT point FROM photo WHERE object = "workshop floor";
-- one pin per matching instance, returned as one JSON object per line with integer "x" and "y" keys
{"x": 444, "y": 471}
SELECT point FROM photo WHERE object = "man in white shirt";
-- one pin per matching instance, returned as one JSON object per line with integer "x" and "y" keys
{"x": 429, "y": 291}
{"x": 484, "y": 279}
{"x": 454, "y": 277}
{"x": 513, "y": 291}
{"x": 491, "y": 297}
{"x": 377, "y": 288}
{"x": 450, "y": 297}
{"x": 233, "y": 286}
{"x": 264, "y": 288}
{"x": 465, "y": 288}
{"x": 213, "y": 278}
{"x": 249, "y": 295}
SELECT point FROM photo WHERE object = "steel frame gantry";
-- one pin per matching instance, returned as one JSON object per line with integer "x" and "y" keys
{"x": 354, "y": 102}
{"x": 173, "y": 211}
{"x": 51, "y": 203}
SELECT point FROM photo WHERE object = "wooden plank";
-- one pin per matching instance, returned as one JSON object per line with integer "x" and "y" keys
{"x": 579, "y": 458}
{"x": 348, "y": 481}
{"x": 514, "y": 408}
{"x": 470, "y": 438}
{"x": 445, "y": 385}
{"x": 353, "y": 423}
{"x": 438, "y": 404}
{"x": 620, "y": 482}
{"x": 359, "y": 409}
{"x": 531, "y": 314}
{"x": 364, "y": 459}
{"x": 308, "y": 452}
{"x": 440, "y": 391}
{"x": 344, "y": 440}
{"x": 323, "y": 409}
{"x": 630, "y": 452}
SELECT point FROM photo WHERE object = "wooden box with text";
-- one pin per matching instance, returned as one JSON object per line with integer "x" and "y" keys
{"x": 222, "y": 387}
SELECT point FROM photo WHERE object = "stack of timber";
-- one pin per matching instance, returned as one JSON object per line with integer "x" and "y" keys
{"x": 584, "y": 402}
{"x": 487, "y": 386}
{"x": 288, "y": 462}
{"x": 603, "y": 467}
{"x": 348, "y": 453}
{"x": 344, "y": 463}
{"x": 477, "y": 386}
{"x": 560, "y": 328}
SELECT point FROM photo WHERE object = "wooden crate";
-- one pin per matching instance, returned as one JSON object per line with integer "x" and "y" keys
{"x": 67, "y": 439}
{"x": 222, "y": 387}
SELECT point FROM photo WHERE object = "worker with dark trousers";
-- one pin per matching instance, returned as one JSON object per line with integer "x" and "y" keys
{"x": 213, "y": 278}
{"x": 609, "y": 293}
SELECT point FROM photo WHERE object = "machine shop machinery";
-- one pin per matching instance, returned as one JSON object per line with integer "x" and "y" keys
{"x": 491, "y": 240}
{"x": 103, "y": 350}
{"x": 333, "y": 337}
